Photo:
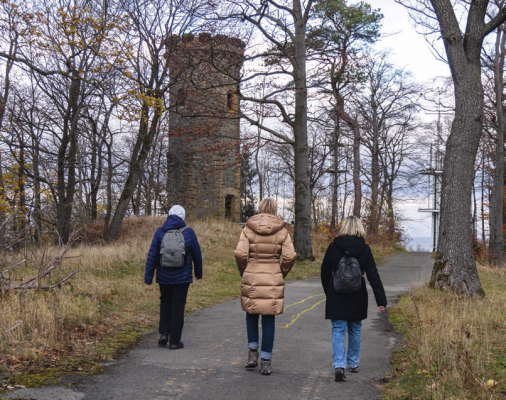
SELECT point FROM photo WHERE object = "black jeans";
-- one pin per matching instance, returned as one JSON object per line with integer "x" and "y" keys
{"x": 172, "y": 303}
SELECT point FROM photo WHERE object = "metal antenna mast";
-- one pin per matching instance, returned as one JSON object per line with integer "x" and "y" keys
{"x": 435, "y": 173}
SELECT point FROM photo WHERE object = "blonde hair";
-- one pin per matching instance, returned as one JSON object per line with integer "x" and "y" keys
{"x": 352, "y": 226}
{"x": 268, "y": 206}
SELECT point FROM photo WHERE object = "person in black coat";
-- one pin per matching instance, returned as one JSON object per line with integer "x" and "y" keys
{"x": 347, "y": 310}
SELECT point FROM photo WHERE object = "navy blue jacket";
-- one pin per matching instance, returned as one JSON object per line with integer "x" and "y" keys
{"x": 350, "y": 306}
{"x": 173, "y": 276}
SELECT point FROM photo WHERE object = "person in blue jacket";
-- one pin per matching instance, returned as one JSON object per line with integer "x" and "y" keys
{"x": 174, "y": 283}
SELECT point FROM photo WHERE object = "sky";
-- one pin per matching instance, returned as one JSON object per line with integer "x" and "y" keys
{"x": 410, "y": 50}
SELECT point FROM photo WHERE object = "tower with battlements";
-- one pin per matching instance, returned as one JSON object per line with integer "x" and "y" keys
{"x": 204, "y": 150}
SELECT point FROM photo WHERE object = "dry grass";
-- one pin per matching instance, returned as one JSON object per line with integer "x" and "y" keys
{"x": 454, "y": 348}
{"x": 106, "y": 305}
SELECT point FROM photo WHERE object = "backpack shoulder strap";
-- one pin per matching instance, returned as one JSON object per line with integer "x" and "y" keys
{"x": 182, "y": 229}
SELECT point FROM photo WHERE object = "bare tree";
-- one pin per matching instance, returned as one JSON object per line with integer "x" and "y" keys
{"x": 283, "y": 26}
{"x": 387, "y": 102}
{"x": 340, "y": 38}
{"x": 147, "y": 71}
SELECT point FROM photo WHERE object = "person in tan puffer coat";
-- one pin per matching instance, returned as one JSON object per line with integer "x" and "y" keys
{"x": 263, "y": 240}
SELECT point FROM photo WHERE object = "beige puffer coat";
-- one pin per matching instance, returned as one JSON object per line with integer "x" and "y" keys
{"x": 262, "y": 241}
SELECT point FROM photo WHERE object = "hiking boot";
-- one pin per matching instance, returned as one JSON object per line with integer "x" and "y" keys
{"x": 180, "y": 345}
{"x": 163, "y": 339}
{"x": 353, "y": 370}
{"x": 265, "y": 366}
{"x": 252, "y": 359}
{"x": 340, "y": 376}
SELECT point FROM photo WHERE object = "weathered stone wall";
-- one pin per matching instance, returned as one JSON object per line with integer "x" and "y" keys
{"x": 204, "y": 154}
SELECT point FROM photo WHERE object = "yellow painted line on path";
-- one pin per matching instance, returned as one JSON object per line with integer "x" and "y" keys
{"x": 302, "y": 301}
{"x": 295, "y": 317}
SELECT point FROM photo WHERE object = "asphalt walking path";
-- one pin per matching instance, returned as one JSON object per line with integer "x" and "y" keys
{"x": 211, "y": 366}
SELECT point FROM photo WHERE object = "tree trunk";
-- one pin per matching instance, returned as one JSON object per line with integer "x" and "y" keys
{"x": 345, "y": 197}
{"x": 96, "y": 171}
{"x": 137, "y": 207}
{"x": 357, "y": 204}
{"x": 37, "y": 217}
{"x": 260, "y": 176}
{"x": 110, "y": 171}
{"x": 454, "y": 267}
{"x": 139, "y": 155}
{"x": 497, "y": 198}
{"x": 375, "y": 171}
{"x": 303, "y": 228}
{"x": 3, "y": 104}
{"x": 21, "y": 217}
{"x": 149, "y": 191}
{"x": 66, "y": 164}
{"x": 390, "y": 211}
{"x": 336, "y": 174}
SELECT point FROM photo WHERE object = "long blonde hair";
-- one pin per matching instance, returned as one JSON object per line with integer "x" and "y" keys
{"x": 268, "y": 206}
{"x": 352, "y": 226}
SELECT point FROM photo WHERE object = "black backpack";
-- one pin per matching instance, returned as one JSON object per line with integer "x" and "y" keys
{"x": 347, "y": 278}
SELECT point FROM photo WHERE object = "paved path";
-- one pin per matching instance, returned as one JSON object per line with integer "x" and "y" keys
{"x": 211, "y": 366}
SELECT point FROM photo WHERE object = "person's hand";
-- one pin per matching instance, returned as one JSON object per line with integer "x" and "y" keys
{"x": 382, "y": 308}
{"x": 148, "y": 283}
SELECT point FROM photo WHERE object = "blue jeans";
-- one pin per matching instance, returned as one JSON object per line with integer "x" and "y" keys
{"x": 267, "y": 334}
{"x": 354, "y": 334}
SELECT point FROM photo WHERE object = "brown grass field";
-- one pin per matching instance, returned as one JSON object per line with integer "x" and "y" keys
{"x": 106, "y": 306}
{"x": 454, "y": 348}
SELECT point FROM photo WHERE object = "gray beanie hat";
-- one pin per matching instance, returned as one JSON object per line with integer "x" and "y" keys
{"x": 177, "y": 210}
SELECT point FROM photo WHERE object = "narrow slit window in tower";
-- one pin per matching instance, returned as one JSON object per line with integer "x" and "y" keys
{"x": 229, "y": 101}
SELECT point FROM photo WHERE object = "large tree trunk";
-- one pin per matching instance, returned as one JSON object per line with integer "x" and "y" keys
{"x": 303, "y": 228}
{"x": 497, "y": 198}
{"x": 455, "y": 267}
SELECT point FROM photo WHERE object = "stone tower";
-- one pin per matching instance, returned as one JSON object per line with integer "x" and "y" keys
{"x": 204, "y": 150}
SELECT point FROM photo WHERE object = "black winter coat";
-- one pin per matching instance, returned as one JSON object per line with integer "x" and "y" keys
{"x": 344, "y": 306}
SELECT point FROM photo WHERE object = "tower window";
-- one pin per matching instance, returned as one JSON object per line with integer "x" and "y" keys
{"x": 229, "y": 101}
